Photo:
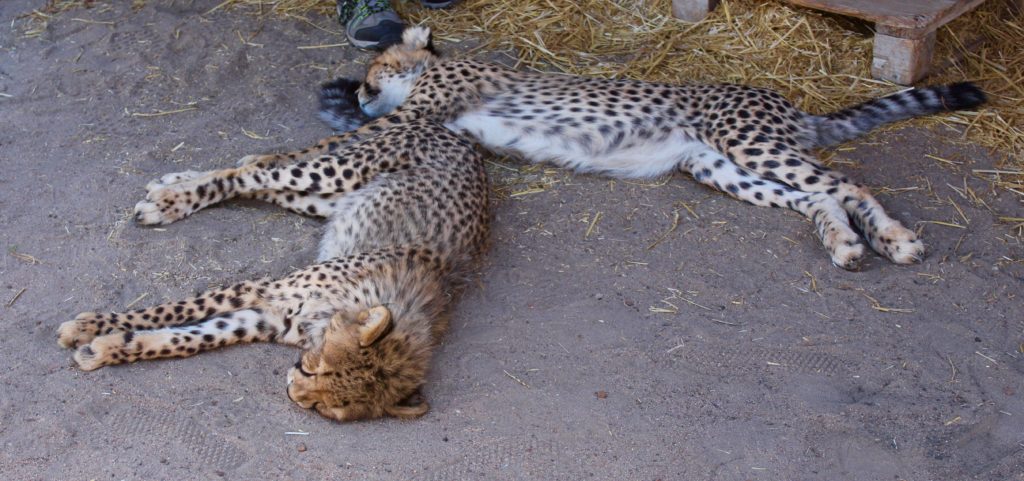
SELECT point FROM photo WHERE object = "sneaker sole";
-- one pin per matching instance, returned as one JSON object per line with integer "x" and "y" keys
{"x": 437, "y": 5}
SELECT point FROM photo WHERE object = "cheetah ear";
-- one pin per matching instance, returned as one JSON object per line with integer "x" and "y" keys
{"x": 417, "y": 37}
{"x": 375, "y": 322}
{"x": 408, "y": 412}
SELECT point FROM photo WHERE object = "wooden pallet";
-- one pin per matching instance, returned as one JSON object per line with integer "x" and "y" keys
{"x": 905, "y": 29}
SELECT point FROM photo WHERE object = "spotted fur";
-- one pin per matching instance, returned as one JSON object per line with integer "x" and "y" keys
{"x": 407, "y": 212}
{"x": 749, "y": 142}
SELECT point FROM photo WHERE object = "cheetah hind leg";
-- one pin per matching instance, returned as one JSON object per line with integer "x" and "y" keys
{"x": 803, "y": 171}
{"x": 830, "y": 220}
{"x": 886, "y": 235}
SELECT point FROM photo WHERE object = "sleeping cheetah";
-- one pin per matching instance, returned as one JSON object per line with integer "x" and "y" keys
{"x": 748, "y": 142}
{"x": 407, "y": 213}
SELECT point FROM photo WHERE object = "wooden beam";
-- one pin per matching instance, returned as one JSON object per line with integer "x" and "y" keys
{"x": 902, "y": 60}
{"x": 904, "y": 18}
{"x": 692, "y": 10}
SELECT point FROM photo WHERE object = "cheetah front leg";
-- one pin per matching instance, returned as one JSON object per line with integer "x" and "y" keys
{"x": 88, "y": 325}
{"x": 317, "y": 181}
{"x": 299, "y": 202}
{"x": 246, "y": 325}
{"x": 334, "y": 142}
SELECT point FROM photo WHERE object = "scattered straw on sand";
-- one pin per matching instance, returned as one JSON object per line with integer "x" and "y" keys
{"x": 821, "y": 62}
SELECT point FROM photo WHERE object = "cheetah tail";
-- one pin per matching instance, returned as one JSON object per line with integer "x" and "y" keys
{"x": 339, "y": 105}
{"x": 858, "y": 120}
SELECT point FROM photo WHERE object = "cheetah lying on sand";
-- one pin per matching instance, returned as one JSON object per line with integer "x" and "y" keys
{"x": 749, "y": 142}
{"x": 408, "y": 217}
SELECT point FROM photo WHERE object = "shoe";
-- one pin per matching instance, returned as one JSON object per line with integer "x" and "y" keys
{"x": 437, "y": 3}
{"x": 370, "y": 24}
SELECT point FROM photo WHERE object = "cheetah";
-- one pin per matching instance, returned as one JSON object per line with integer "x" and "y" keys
{"x": 407, "y": 214}
{"x": 748, "y": 142}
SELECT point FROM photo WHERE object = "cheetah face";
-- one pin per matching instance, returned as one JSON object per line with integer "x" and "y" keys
{"x": 392, "y": 74}
{"x": 361, "y": 372}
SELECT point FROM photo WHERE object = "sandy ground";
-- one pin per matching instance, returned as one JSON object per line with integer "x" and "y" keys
{"x": 727, "y": 348}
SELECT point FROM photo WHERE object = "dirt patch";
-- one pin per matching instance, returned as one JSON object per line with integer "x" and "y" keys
{"x": 598, "y": 343}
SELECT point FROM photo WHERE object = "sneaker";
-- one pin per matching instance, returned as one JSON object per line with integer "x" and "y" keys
{"x": 370, "y": 24}
{"x": 437, "y": 3}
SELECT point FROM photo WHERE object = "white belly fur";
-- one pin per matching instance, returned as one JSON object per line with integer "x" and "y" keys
{"x": 644, "y": 158}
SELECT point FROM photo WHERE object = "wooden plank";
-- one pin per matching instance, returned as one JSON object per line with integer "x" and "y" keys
{"x": 692, "y": 10}
{"x": 902, "y": 60}
{"x": 905, "y": 37}
{"x": 903, "y": 18}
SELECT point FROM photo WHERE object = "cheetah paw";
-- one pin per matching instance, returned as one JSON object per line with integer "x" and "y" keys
{"x": 162, "y": 206}
{"x": 87, "y": 359}
{"x": 81, "y": 330}
{"x": 844, "y": 246}
{"x": 848, "y": 255}
{"x": 102, "y": 351}
{"x": 899, "y": 244}
{"x": 148, "y": 213}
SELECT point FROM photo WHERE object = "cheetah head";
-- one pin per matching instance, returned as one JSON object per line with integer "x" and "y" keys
{"x": 363, "y": 371}
{"x": 392, "y": 74}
